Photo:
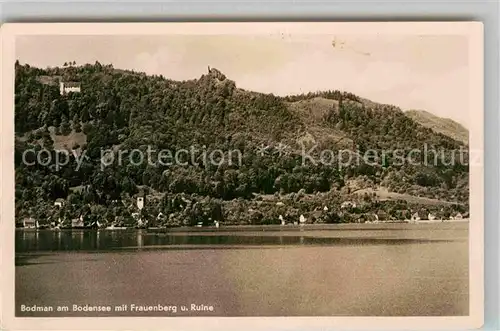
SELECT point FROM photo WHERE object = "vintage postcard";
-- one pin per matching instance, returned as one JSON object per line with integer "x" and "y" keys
{"x": 220, "y": 175}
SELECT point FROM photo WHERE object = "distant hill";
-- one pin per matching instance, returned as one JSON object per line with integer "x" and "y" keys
{"x": 127, "y": 110}
{"x": 445, "y": 126}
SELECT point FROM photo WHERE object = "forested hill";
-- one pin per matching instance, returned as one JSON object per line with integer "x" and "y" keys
{"x": 126, "y": 110}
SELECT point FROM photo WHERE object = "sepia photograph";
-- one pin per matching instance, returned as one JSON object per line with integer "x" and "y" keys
{"x": 246, "y": 170}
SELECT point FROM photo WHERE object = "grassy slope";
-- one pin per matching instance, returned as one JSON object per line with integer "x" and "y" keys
{"x": 445, "y": 126}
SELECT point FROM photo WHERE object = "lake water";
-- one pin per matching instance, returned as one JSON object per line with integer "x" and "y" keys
{"x": 327, "y": 270}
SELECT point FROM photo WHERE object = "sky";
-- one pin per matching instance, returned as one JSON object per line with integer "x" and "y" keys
{"x": 410, "y": 71}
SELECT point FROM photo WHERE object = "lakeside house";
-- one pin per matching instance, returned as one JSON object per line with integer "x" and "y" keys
{"x": 30, "y": 223}
{"x": 282, "y": 220}
{"x": 59, "y": 202}
{"x": 78, "y": 223}
{"x": 302, "y": 219}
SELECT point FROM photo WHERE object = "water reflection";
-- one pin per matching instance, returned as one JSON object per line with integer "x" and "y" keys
{"x": 140, "y": 242}
{"x": 88, "y": 240}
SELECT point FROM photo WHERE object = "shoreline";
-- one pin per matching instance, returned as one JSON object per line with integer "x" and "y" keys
{"x": 234, "y": 227}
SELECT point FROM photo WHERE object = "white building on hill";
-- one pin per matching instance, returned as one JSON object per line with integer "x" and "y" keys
{"x": 66, "y": 87}
{"x": 348, "y": 204}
